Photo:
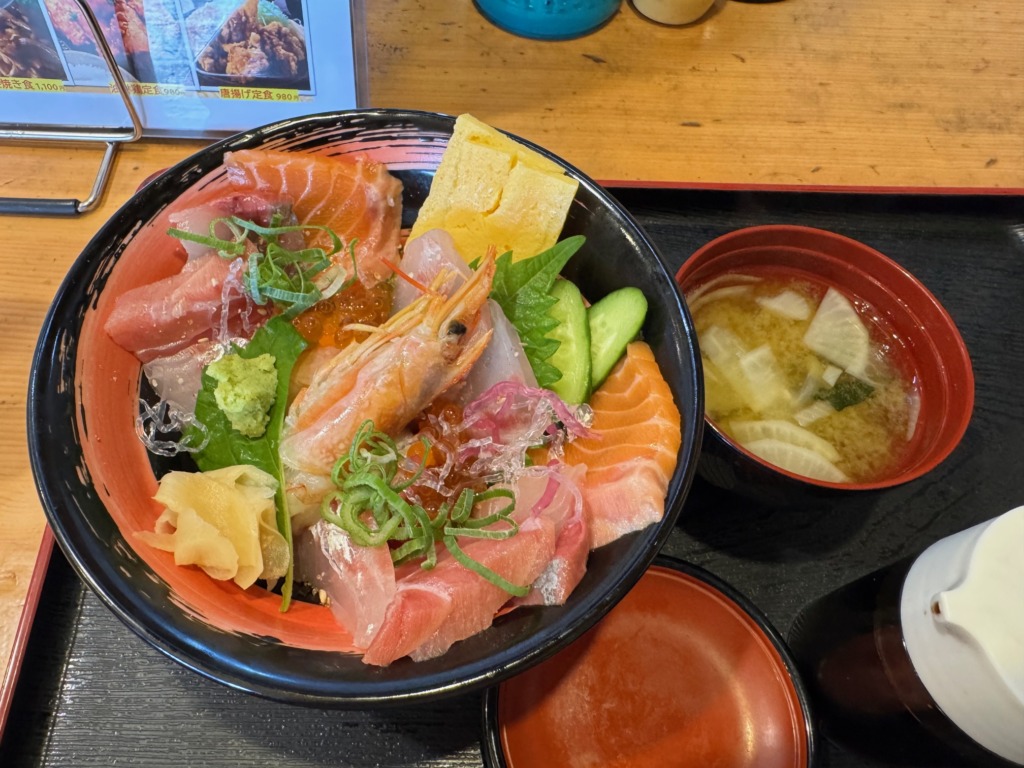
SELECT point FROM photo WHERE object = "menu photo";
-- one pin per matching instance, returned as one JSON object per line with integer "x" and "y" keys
{"x": 193, "y": 67}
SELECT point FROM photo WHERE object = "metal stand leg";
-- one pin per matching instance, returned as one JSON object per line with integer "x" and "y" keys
{"x": 113, "y": 137}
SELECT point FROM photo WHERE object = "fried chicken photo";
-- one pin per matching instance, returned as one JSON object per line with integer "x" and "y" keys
{"x": 254, "y": 41}
{"x": 71, "y": 25}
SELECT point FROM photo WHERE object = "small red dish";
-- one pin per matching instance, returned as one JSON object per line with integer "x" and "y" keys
{"x": 684, "y": 671}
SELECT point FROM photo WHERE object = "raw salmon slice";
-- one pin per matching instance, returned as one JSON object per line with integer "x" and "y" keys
{"x": 632, "y": 452}
{"x": 355, "y": 196}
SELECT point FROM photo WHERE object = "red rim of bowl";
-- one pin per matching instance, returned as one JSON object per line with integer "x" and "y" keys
{"x": 900, "y": 288}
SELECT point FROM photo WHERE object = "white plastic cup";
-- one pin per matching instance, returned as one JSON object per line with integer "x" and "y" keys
{"x": 921, "y": 663}
{"x": 962, "y": 612}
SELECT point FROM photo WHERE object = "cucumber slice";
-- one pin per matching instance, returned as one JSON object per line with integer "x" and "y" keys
{"x": 572, "y": 357}
{"x": 614, "y": 322}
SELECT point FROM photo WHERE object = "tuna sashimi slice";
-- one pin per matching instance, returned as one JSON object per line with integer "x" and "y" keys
{"x": 632, "y": 452}
{"x": 354, "y": 196}
{"x": 250, "y": 207}
{"x": 436, "y": 608}
{"x": 164, "y": 317}
{"x": 359, "y": 580}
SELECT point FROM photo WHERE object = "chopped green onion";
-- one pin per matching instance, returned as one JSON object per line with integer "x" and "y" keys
{"x": 225, "y": 247}
{"x": 369, "y": 507}
{"x": 274, "y": 272}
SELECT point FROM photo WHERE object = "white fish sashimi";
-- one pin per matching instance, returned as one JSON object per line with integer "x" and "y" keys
{"x": 360, "y": 581}
{"x": 177, "y": 378}
{"x": 423, "y": 259}
{"x": 504, "y": 358}
{"x": 555, "y": 493}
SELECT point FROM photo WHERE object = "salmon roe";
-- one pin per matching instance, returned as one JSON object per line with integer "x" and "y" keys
{"x": 324, "y": 323}
{"x": 436, "y": 425}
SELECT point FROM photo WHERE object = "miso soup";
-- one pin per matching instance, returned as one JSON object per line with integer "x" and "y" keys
{"x": 803, "y": 376}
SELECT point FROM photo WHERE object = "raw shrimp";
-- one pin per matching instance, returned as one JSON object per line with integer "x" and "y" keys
{"x": 390, "y": 377}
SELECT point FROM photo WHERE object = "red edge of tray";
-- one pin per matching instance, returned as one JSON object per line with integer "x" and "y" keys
{"x": 21, "y": 635}
{"x": 831, "y": 188}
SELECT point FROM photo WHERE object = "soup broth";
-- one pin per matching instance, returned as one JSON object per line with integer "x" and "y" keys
{"x": 803, "y": 376}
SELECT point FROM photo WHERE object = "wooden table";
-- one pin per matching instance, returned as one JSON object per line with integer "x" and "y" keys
{"x": 924, "y": 93}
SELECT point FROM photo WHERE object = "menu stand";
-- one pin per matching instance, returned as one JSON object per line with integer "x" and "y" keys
{"x": 112, "y": 137}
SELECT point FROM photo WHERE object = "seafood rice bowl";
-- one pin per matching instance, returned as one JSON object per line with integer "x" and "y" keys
{"x": 365, "y": 408}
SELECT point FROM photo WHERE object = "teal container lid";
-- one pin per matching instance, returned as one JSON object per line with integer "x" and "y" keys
{"x": 548, "y": 19}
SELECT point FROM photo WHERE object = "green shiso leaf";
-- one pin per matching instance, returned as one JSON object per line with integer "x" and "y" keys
{"x": 228, "y": 447}
{"x": 523, "y": 291}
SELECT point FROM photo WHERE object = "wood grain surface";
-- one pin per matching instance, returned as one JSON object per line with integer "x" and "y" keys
{"x": 923, "y": 93}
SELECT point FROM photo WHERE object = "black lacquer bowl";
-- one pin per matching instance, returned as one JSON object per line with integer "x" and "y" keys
{"x": 96, "y": 480}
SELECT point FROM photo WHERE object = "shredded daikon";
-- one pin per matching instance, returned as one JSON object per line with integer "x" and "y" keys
{"x": 168, "y": 419}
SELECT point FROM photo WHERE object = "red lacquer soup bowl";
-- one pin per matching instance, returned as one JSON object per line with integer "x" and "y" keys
{"x": 96, "y": 479}
{"x": 922, "y": 340}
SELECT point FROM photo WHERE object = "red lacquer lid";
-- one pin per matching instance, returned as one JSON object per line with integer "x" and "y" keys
{"x": 677, "y": 674}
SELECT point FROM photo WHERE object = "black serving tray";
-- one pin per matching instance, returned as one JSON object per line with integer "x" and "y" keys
{"x": 91, "y": 693}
